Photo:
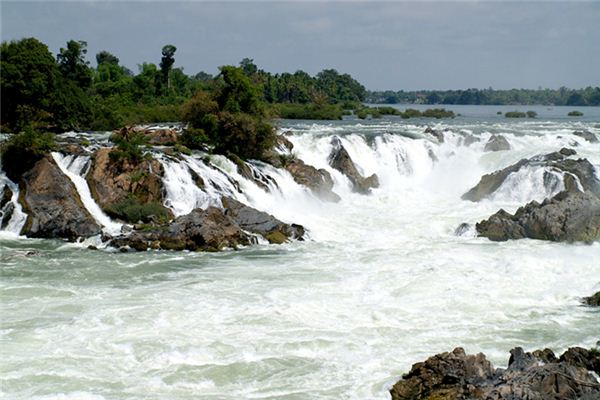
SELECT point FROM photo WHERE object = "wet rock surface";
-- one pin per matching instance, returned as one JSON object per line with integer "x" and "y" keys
{"x": 593, "y": 300}
{"x": 52, "y": 204}
{"x": 253, "y": 220}
{"x": 587, "y": 135}
{"x": 340, "y": 160}
{"x": 200, "y": 230}
{"x": 569, "y": 216}
{"x": 497, "y": 143}
{"x": 533, "y": 376}
{"x": 112, "y": 181}
{"x": 154, "y": 136}
{"x": 319, "y": 181}
{"x": 557, "y": 161}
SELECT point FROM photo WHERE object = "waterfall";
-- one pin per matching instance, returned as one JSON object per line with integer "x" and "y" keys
{"x": 15, "y": 224}
{"x": 75, "y": 168}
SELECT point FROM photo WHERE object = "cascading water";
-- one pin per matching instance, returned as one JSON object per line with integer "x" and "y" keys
{"x": 75, "y": 168}
{"x": 382, "y": 283}
{"x": 12, "y": 216}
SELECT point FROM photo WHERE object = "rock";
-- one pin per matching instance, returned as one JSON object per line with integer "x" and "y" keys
{"x": 462, "y": 229}
{"x": 7, "y": 208}
{"x": 532, "y": 376}
{"x": 497, "y": 143}
{"x": 436, "y": 134}
{"x": 252, "y": 220}
{"x": 593, "y": 300}
{"x": 52, "y": 205}
{"x": 587, "y": 135}
{"x": 154, "y": 136}
{"x": 452, "y": 375}
{"x": 319, "y": 181}
{"x": 245, "y": 170}
{"x": 284, "y": 144}
{"x": 200, "y": 230}
{"x": 568, "y": 216}
{"x": 112, "y": 181}
{"x": 470, "y": 139}
{"x": 558, "y": 161}
{"x": 340, "y": 160}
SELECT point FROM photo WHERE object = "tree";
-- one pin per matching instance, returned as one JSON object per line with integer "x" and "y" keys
{"x": 166, "y": 63}
{"x": 248, "y": 66}
{"x": 238, "y": 93}
{"x": 28, "y": 82}
{"x": 73, "y": 65}
{"x": 104, "y": 57}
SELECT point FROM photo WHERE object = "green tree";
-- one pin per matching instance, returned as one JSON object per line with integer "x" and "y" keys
{"x": 104, "y": 57}
{"x": 28, "y": 82}
{"x": 166, "y": 64}
{"x": 73, "y": 65}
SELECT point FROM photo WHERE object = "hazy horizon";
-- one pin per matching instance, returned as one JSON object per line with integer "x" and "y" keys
{"x": 385, "y": 46}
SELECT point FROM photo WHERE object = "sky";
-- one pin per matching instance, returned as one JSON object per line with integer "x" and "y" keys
{"x": 384, "y": 45}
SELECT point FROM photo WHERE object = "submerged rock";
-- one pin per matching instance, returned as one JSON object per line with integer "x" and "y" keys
{"x": 557, "y": 161}
{"x": 52, "y": 204}
{"x": 253, "y": 220}
{"x": 340, "y": 160}
{"x": 497, "y": 143}
{"x": 534, "y": 376}
{"x": 587, "y": 135}
{"x": 435, "y": 133}
{"x": 569, "y": 216}
{"x": 319, "y": 181}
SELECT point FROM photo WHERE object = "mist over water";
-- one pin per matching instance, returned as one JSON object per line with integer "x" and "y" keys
{"x": 382, "y": 282}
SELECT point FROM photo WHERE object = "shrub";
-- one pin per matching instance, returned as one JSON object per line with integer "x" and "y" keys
{"x": 438, "y": 113}
{"x": 575, "y": 113}
{"x": 243, "y": 135}
{"x": 132, "y": 210}
{"x": 531, "y": 114}
{"x": 411, "y": 113}
{"x": 130, "y": 146}
{"x": 388, "y": 111}
{"x": 194, "y": 138}
{"x": 23, "y": 150}
{"x": 515, "y": 114}
{"x": 308, "y": 111}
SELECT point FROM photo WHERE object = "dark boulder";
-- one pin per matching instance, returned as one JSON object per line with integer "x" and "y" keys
{"x": 497, "y": 143}
{"x": 200, "y": 230}
{"x": 593, "y": 300}
{"x": 557, "y": 161}
{"x": 244, "y": 169}
{"x": 319, "y": 181}
{"x": 568, "y": 216}
{"x": 435, "y": 133}
{"x": 533, "y": 376}
{"x": 255, "y": 221}
{"x": 52, "y": 204}
{"x": 587, "y": 135}
{"x": 340, "y": 160}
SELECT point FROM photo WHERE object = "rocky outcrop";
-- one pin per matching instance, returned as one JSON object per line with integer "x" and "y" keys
{"x": 114, "y": 180}
{"x": 593, "y": 300}
{"x": 497, "y": 143}
{"x": 53, "y": 207}
{"x": 557, "y": 161}
{"x": 569, "y": 216}
{"x": 262, "y": 223}
{"x": 436, "y": 134}
{"x": 200, "y": 230}
{"x": 154, "y": 136}
{"x": 7, "y": 208}
{"x": 534, "y": 376}
{"x": 587, "y": 135}
{"x": 340, "y": 160}
{"x": 245, "y": 170}
{"x": 212, "y": 229}
{"x": 319, "y": 181}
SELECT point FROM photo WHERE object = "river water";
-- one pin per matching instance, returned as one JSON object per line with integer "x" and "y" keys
{"x": 383, "y": 281}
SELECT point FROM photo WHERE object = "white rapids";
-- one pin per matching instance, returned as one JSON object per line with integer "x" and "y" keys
{"x": 381, "y": 283}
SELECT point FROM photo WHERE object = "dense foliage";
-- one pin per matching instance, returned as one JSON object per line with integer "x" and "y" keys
{"x": 589, "y": 96}
{"x": 22, "y": 151}
{"x": 232, "y": 118}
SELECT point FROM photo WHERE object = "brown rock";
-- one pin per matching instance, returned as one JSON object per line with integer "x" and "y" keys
{"x": 319, "y": 181}
{"x": 340, "y": 160}
{"x": 53, "y": 207}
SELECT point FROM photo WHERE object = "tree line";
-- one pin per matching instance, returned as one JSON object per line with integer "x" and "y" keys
{"x": 589, "y": 96}
{"x": 64, "y": 92}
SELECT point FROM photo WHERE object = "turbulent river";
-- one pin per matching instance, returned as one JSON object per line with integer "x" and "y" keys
{"x": 381, "y": 283}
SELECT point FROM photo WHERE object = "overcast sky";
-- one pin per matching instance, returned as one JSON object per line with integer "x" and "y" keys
{"x": 388, "y": 45}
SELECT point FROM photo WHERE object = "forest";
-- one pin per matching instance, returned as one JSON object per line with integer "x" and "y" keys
{"x": 589, "y": 96}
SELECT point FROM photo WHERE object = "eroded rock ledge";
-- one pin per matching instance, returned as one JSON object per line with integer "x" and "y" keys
{"x": 539, "y": 375}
